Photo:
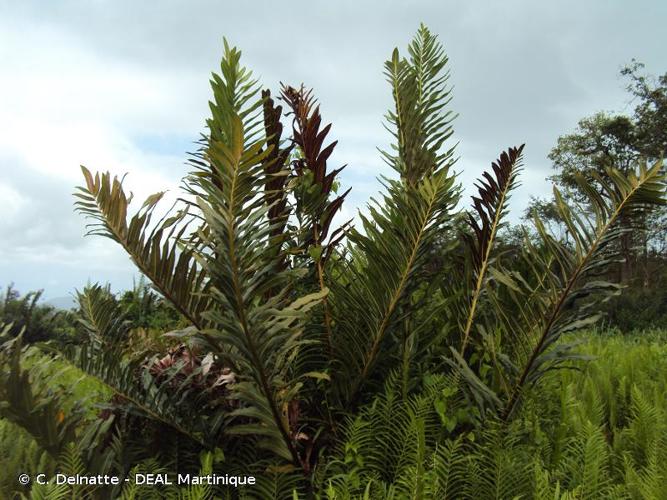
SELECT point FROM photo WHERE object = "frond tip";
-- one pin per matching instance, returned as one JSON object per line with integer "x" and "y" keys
{"x": 490, "y": 206}
{"x": 162, "y": 251}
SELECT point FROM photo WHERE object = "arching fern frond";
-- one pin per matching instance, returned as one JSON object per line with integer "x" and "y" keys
{"x": 27, "y": 400}
{"x": 555, "y": 299}
{"x": 490, "y": 206}
{"x": 161, "y": 251}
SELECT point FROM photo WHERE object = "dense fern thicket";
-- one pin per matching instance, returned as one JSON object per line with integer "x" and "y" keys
{"x": 595, "y": 433}
{"x": 410, "y": 357}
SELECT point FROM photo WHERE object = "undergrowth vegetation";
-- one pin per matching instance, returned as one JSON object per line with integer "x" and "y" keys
{"x": 413, "y": 356}
{"x": 595, "y": 432}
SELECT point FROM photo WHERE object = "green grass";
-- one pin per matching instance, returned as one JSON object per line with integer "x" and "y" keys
{"x": 66, "y": 378}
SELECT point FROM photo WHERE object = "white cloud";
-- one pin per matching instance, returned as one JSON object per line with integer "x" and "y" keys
{"x": 12, "y": 200}
{"x": 111, "y": 84}
{"x": 69, "y": 107}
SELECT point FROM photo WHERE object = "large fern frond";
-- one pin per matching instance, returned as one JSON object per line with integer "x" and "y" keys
{"x": 398, "y": 233}
{"x": 314, "y": 189}
{"x": 162, "y": 251}
{"x": 490, "y": 206}
{"x": 262, "y": 327}
{"x": 555, "y": 299}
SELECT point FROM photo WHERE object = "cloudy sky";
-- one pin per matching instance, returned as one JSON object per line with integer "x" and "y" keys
{"x": 123, "y": 86}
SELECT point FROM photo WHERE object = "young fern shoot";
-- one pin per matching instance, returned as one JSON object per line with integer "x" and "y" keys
{"x": 491, "y": 206}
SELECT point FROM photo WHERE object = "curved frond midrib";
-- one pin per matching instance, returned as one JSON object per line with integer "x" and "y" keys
{"x": 553, "y": 316}
{"x": 120, "y": 233}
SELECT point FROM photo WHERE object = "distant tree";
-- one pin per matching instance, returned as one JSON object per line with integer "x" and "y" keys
{"x": 650, "y": 140}
{"x": 144, "y": 308}
{"x": 38, "y": 322}
{"x": 650, "y": 114}
{"x": 619, "y": 141}
{"x": 615, "y": 140}
{"x": 599, "y": 142}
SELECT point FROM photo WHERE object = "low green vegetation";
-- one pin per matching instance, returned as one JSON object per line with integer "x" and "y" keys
{"x": 37, "y": 321}
{"x": 597, "y": 431}
{"x": 430, "y": 352}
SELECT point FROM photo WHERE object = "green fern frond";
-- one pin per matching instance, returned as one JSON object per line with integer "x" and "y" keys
{"x": 164, "y": 252}
{"x": 391, "y": 253}
{"x": 565, "y": 278}
{"x": 500, "y": 466}
{"x": 450, "y": 467}
{"x": 101, "y": 315}
{"x": 261, "y": 327}
{"x": 586, "y": 463}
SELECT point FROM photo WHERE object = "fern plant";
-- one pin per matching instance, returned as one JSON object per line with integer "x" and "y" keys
{"x": 306, "y": 321}
{"x": 244, "y": 285}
